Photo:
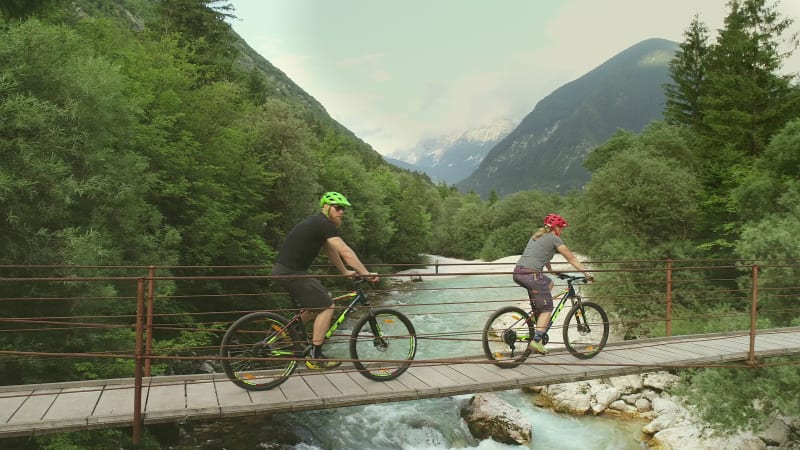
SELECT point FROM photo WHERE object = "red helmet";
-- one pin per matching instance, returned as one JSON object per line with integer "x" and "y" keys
{"x": 554, "y": 220}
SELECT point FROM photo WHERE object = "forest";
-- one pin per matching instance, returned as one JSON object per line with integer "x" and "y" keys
{"x": 136, "y": 133}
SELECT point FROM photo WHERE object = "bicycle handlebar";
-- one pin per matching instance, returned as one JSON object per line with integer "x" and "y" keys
{"x": 360, "y": 279}
{"x": 572, "y": 278}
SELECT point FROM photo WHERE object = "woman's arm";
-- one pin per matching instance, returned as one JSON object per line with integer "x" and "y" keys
{"x": 570, "y": 257}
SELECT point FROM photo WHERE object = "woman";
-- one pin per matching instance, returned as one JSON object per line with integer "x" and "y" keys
{"x": 537, "y": 255}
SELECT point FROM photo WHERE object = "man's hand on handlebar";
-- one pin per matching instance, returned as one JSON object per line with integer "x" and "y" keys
{"x": 368, "y": 277}
{"x": 371, "y": 278}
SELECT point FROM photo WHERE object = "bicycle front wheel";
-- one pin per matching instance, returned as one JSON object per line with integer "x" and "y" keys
{"x": 506, "y": 336}
{"x": 586, "y": 330}
{"x": 259, "y": 351}
{"x": 383, "y": 344}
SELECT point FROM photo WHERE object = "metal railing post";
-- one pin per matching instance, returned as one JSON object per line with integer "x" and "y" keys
{"x": 751, "y": 356}
{"x": 137, "y": 383}
{"x": 150, "y": 298}
{"x": 669, "y": 297}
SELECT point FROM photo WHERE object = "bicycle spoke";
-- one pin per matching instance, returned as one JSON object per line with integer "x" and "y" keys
{"x": 586, "y": 330}
{"x": 261, "y": 351}
{"x": 506, "y": 336}
{"x": 382, "y": 345}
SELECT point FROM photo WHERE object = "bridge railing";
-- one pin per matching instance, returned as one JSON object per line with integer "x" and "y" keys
{"x": 60, "y": 324}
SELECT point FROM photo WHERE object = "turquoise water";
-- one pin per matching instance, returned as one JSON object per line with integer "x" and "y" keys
{"x": 435, "y": 424}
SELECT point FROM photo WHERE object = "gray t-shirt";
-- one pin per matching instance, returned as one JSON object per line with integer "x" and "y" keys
{"x": 539, "y": 252}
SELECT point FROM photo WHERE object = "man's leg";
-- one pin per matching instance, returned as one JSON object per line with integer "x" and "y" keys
{"x": 321, "y": 325}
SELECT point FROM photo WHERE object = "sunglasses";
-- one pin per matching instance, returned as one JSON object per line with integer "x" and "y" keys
{"x": 339, "y": 208}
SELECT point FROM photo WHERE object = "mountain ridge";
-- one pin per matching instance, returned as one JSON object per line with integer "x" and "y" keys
{"x": 547, "y": 149}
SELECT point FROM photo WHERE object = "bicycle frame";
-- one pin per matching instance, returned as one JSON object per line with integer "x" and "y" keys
{"x": 569, "y": 292}
{"x": 358, "y": 297}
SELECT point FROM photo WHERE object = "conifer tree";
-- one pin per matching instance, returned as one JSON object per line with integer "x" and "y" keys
{"x": 747, "y": 100}
{"x": 688, "y": 73}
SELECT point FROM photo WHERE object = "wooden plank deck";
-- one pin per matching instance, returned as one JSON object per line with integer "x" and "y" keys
{"x": 49, "y": 408}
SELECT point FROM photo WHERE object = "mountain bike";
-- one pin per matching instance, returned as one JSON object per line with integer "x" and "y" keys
{"x": 510, "y": 328}
{"x": 262, "y": 349}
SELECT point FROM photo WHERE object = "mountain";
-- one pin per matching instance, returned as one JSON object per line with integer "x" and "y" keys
{"x": 452, "y": 158}
{"x": 546, "y": 151}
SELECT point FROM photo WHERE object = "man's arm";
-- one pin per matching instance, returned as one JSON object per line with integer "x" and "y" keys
{"x": 336, "y": 260}
{"x": 339, "y": 251}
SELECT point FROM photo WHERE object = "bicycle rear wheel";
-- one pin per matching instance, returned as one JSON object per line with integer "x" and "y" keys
{"x": 506, "y": 336}
{"x": 586, "y": 330}
{"x": 383, "y": 344}
{"x": 268, "y": 348}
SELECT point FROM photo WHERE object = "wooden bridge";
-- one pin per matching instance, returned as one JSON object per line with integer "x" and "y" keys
{"x": 49, "y": 408}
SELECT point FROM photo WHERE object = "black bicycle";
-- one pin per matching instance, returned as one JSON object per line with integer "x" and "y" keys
{"x": 510, "y": 328}
{"x": 262, "y": 349}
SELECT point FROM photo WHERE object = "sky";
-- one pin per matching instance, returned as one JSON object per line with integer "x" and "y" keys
{"x": 397, "y": 72}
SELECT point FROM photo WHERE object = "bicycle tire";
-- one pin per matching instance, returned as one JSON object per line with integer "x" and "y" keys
{"x": 506, "y": 335}
{"x": 586, "y": 332}
{"x": 382, "y": 344}
{"x": 258, "y": 337}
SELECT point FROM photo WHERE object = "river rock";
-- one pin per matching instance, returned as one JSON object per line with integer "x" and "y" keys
{"x": 603, "y": 395}
{"x": 489, "y": 416}
{"x": 643, "y": 405}
{"x": 775, "y": 432}
{"x": 569, "y": 398}
{"x": 627, "y": 384}
{"x": 622, "y": 407}
{"x": 660, "y": 380}
{"x": 693, "y": 437}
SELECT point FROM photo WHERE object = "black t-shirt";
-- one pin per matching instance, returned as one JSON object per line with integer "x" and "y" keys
{"x": 304, "y": 242}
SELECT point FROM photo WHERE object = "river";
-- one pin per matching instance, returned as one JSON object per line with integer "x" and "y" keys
{"x": 431, "y": 424}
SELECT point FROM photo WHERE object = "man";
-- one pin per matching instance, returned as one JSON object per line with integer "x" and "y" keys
{"x": 298, "y": 251}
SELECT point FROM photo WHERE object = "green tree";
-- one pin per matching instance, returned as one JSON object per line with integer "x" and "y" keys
{"x": 746, "y": 101}
{"x": 16, "y": 9}
{"x": 73, "y": 191}
{"x": 514, "y": 219}
{"x": 201, "y": 26}
{"x": 466, "y": 228}
{"x": 412, "y": 221}
{"x": 688, "y": 72}
{"x": 640, "y": 205}
{"x": 771, "y": 194}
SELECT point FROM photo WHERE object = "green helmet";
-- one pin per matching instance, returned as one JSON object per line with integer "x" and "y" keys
{"x": 333, "y": 198}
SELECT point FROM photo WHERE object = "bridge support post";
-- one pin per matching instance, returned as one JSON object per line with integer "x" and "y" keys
{"x": 149, "y": 327}
{"x": 137, "y": 383}
{"x": 669, "y": 297}
{"x": 751, "y": 356}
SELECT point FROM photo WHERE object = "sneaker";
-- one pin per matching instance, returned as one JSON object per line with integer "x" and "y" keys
{"x": 321, "y": 362}
{"x": 536, "y": 346}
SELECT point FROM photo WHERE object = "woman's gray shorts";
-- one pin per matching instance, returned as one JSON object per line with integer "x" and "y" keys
{"x": 538, "y": 286}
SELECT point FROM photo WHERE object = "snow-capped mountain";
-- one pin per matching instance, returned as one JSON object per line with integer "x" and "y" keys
{"x": 452, "y": 158}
